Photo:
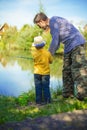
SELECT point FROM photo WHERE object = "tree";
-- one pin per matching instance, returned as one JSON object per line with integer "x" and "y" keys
{"x": 9, "y": 37}
{"x": 26, "y": 36}
{"x": 41, "y": 8}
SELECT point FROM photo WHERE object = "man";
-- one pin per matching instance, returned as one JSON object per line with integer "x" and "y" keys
{"x": 75, "y": 66}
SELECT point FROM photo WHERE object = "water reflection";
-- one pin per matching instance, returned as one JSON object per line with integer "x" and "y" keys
{"x": 16, "y": 74}
{"x": 14, "y": 81}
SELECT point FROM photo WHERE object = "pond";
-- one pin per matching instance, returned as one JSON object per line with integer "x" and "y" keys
{"x": 16, "y": 73}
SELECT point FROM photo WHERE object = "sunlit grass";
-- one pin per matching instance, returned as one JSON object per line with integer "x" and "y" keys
{"x": 14, "y": 109}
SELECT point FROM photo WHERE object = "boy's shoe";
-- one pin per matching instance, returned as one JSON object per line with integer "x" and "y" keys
{"x": 48, "y": 102}
{"x": 43, "y": 103}
{"x": 40, "y": 104}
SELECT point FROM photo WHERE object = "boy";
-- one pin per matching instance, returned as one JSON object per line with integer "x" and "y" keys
{"x": 42, "y": 59}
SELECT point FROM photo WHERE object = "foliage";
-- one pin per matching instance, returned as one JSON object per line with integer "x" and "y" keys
{"x": 16, "y": 109}
{"x": 56, "y": 66}
{"x": 23, "y": 38}
{"x": 84, "y": 32}
{"x": 47, "y": 37}
{"x": 26, "y": 36}
{"x": 41, "y": 7}
{"x": 56, "y": 92}
{"x": 1, "y": 45}
{"x": 9, "y": 37}
{"x": 24, "y": 98}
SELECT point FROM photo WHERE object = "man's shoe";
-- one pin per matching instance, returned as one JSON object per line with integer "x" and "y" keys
{"x": 69, "y": 96}
{"x": 80, "y": 97}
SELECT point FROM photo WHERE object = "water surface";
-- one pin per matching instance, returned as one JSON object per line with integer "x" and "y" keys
{"x": 16, "y": 75}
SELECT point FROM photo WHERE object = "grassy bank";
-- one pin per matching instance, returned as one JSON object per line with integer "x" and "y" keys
{"x": 16, "y": 109}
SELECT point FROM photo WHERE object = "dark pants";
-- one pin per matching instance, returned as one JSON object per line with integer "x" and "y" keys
{"x": 42, "y": 88}
{"x": 75, "y": 72}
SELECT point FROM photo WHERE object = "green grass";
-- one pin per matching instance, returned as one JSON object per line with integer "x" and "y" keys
{"x": 16, "y": 109}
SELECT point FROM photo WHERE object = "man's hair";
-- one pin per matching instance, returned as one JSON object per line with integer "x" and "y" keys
{"x": 40, "y": 16}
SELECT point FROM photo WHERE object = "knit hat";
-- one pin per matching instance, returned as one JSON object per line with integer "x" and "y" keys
{"x": 38, "y": 42}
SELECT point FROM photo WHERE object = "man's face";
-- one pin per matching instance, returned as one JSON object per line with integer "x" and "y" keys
{"x": 42, "y": 24}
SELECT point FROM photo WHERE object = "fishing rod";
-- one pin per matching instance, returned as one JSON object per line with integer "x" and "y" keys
{"x": 28, "y": 58}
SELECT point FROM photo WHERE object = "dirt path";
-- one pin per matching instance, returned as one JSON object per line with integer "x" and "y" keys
{"x": 76, "y": 120}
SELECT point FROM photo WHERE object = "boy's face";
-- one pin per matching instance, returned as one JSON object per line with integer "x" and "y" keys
{"x": 42, "y": 24}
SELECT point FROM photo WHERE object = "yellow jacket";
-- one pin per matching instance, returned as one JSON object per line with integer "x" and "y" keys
{"x": 42, "y": 60}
